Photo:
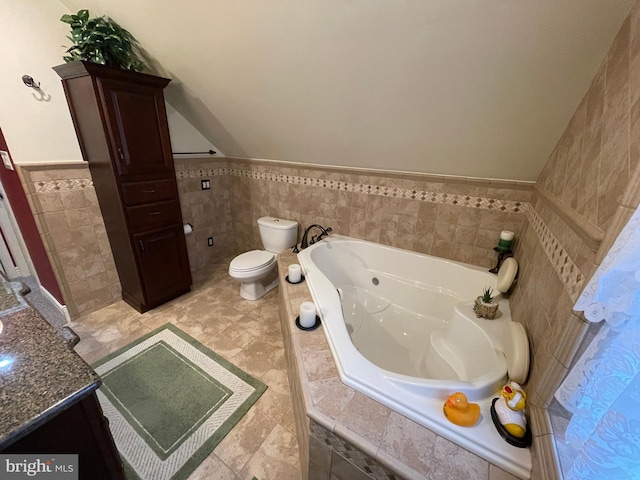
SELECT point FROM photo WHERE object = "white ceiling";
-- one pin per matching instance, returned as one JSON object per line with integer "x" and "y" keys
{"x": 459, "y": 87}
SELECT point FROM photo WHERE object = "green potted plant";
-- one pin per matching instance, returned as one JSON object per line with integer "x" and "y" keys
{"x": 485, "y": 306}
{"x": 101, "y": 40}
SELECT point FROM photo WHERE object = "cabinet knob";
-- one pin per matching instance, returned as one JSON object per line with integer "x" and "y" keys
{"x": 141, "y": 243}
{"x": 120, "y": 154}
{"x": 154, "y": 213}
{"x": 149, "y": 191}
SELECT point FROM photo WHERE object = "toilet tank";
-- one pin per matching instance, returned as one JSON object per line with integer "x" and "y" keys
{"x": 277, "y": 234}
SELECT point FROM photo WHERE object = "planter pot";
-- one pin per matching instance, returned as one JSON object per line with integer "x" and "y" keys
{"x": 485, "y": 310}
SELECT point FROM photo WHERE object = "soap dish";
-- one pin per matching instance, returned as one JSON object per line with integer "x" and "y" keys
{"x": 307, "y": 329}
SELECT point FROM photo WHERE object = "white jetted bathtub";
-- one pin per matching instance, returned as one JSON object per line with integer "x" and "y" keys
{"x": 402, "y": 330}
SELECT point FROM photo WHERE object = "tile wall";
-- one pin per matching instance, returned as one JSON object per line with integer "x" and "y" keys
{"x": 65, "y": 207}
{"x": 455, "y": 218}
{"x": 209, "y": 211}
{"x": 583, "y": 197}
{"x": 66, "y": 210}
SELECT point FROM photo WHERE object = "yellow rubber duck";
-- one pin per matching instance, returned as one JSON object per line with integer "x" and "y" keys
{"x": 459, "y": 411}
{"x": 510, "y": 409}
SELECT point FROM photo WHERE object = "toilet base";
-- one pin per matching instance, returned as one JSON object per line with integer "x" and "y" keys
{"x": 256, "y": 290}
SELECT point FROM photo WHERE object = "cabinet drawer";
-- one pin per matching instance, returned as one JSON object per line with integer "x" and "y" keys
{"x": 145, "y": 192}
{"x": 154, "y": 214}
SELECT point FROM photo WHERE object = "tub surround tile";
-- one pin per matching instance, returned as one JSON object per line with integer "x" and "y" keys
{"x": 568, "y": 329}
{"x": 313, "y": 341}
{"x": 396, "y": 468}
{"x": 343, "y": 469}
{"x": 548, "y": 468}
{"x": 319, "y": 365}
{"x": 331, "y": 396}
{"x": 547, "y": 378}
{"x": 366, "y": 417}
{"x": 409, "y": 442}
{"x": 319, "y": 460}
{"x": 347, "y": 458}
{"x": 453, "y": 462}
{"x": 496, "y": 473}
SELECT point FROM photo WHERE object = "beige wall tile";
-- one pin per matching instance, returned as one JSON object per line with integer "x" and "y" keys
{"x": 409, "y": 442}
{"x": 343, "y": 469}
{"x": 319, "y": 460}
{"x": 366, "y": 417}
{"x": 496, "y": 473}
{"x": 451, "y": 462}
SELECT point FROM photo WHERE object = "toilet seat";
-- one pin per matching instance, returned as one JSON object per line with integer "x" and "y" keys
{"x": 251, "y": 261}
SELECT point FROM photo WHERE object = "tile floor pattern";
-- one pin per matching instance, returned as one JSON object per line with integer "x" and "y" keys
{"x": 263, "y": 443}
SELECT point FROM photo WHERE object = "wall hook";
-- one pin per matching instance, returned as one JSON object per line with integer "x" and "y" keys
{"x": 30, "y": 82}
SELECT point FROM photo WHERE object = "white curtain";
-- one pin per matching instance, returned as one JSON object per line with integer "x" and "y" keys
{"x": 603, "y": 389}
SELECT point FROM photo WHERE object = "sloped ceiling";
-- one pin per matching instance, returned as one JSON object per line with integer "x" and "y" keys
{"x": 459, "y": 87}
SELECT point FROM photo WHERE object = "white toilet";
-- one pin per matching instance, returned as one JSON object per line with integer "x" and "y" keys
{"x": 257, "y": 270}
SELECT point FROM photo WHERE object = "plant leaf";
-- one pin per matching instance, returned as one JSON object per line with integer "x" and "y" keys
{"x": 101, "y": 40}
{"x": 83, "y": 15}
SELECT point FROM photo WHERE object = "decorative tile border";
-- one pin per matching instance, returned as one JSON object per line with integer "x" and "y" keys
{"x": 566, "y": 269}
{"x": 50, "y": 186}
{"x": 350, "y": 453}
{"x": 380, "y": 190}
{"x": 564, "y": 266}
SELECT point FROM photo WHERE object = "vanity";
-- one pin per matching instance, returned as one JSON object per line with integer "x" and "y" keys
{"x": 48, "y": 402}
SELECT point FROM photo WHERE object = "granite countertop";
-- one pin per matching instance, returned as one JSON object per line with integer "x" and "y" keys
{"x": 40, "y": 375}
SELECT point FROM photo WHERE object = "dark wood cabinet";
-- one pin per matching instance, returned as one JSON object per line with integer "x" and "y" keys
{"x": 80, "y": 429}
{"x": 121, "y": 123}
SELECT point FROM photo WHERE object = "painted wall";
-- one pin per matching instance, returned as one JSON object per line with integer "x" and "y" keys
{"x": 28, "y": 228}
{"x": 461, "y": 87}
{"x": 185, "y": 138}
{"x": 36, "y": 125}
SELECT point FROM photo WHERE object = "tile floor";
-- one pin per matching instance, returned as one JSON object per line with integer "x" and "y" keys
{"x": 263, "y": 443}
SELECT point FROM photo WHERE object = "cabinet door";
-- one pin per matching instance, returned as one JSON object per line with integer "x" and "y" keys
{"x": 164, "y": 267}
{"x": 138, "y": 130}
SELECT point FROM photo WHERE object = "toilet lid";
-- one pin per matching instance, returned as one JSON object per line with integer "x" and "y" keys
{"x": 252, "y": 260}
{"x": 516, "y": 351}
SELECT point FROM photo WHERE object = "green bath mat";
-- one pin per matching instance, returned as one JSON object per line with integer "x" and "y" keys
{"x": 170, "y": 400}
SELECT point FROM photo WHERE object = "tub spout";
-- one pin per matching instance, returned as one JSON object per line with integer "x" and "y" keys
{"x": 315, "y": 238}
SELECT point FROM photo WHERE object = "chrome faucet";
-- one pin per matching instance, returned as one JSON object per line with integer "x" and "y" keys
{"x": 315, "y": 238}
